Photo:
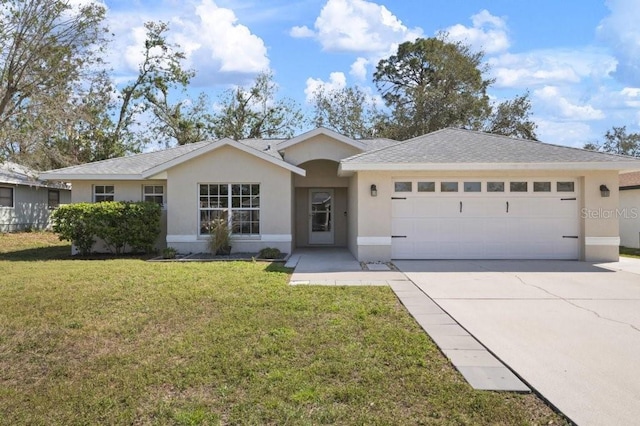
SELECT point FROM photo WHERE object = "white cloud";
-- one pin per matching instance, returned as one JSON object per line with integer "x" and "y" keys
{"x": 337, "y": 81}
{"x": 551, "y": 67}
{"x": 488, "y": 33}
{"x": 215, "y": 44}
{"x": 620, "y": 30}
{"x": 359, "y": 26}
{"x": 301, "y": 32}
{"x": 570, "y": 133}
{"x": 226, "y": 42}
{"x": 559, "y": 104}
{"x": 359, "y": 69}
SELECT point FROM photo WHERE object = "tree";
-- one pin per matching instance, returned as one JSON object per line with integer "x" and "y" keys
{"x": 159, "y": 72}
{"x": 47, "y": 48}
{"x": 618, "y": 141}
{"x": 511, "y": 118}
{"x": 349, "y": 111}
{"x": 185, "y": 122}
{"x": 256, "y": 113}
{"x": 431, "y": 84}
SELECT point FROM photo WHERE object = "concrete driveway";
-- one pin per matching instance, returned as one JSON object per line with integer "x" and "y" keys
{"x": 571, "y": 330}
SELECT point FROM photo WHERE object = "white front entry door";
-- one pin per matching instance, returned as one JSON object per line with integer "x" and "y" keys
{"x": 321, "y": 216}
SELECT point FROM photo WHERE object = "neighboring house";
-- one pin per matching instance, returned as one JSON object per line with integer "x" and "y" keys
{"x": 450, "y": 194}
{"x": 25, "y": 200}
{"x": 629, "y": 213}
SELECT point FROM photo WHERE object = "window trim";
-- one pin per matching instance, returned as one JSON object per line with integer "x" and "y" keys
{"x": 164, "y": 194}
{"x": 103, "y": 194}
{"x": 230, "y": 209}
{"x": 13, "y": 197}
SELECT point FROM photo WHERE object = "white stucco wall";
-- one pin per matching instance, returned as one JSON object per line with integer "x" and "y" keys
{"x": 599, "y": 224}
{"x": 629, "y": 217}
{"x": 229, "y": 165}
{"x": 318, "y": 147}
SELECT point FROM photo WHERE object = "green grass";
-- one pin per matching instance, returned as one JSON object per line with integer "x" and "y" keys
{"x": 630, "y": 252}
{"x": 123, "y": 341}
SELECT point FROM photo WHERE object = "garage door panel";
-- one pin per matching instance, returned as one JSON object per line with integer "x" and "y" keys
{"x": 427, "y": 229}
{"x": 402, "y": 208}
{"x": 532, "y": 228}
{"x": 402, "y": 226}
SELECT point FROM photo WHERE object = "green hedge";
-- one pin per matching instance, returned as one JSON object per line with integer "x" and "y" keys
{"x": 123, "y": 226}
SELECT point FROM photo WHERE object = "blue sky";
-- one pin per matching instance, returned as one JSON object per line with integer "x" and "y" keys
{"x": 579, "y": 59}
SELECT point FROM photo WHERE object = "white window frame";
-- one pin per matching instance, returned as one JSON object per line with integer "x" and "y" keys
{"x": 104, "y": 194}
{"x": 13, "y": 197}
{"x": 146, "y": 194}
{"x": 227, "y": 207}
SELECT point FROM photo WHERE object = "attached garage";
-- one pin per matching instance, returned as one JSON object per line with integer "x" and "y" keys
{"x": 485, "y": 219}
{"x": 460, "y": 194}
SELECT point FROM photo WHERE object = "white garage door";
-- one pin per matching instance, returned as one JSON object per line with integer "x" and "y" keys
{"x": 485, "y": 219}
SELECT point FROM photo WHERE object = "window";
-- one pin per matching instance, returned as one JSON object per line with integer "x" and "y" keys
{"x": 565, "y": 186}
{"x": 6, "y": 197}
{"x": 426, "y": 187}
{"x": 239, "y": 204}
{"x": 541, "y": 186}
{"x": 518, "y": 187}
{"x": 495, "y": 186}
{"x": 448, "y": 186}
{"x": 153, "y": 194}
{"x": 472, "y": 187}
{"x": 103, "y": 193}
{"x": 54, "y": 198}
{"x": 403, "y": 187}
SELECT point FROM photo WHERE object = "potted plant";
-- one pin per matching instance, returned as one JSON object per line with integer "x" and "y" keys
{"x": 220, "y": 238}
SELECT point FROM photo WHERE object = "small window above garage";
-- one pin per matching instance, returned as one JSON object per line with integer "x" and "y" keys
{"x": 403, "y": 186}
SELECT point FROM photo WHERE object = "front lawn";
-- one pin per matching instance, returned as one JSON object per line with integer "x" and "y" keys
{"x": 123, "y": 341}
{"x": 629, "y": 252}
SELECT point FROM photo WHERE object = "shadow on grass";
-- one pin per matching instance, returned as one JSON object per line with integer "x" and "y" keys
{"x": 630, "y": 252}
{"x": 278, "y": 267}
{"x": 63, "y": 253}
{"x": 38, "y": 254}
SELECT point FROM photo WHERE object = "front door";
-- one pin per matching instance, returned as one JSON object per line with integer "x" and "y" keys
{"x": 321, "y": 216}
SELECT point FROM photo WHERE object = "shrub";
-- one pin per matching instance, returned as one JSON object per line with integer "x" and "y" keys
{"x": 220, "y": 238}
{"x": 76, "y": 223}
{"x": 121, "y": 225}
{"x": 169, "y": 253}
{"x": 269, "y": 253}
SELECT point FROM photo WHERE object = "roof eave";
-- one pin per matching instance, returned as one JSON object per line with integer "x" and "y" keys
{"x": 619, "y": 165}
{"x": 64, "y": 177}
{"x": 215, "y": 145}
{"x": 320, "y": 131}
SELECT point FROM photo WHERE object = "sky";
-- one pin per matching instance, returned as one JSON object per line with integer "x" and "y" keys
{"x": 578, "y": 59}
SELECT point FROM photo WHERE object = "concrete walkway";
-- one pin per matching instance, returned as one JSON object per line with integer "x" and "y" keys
{"x": 338, "y": 267}
{"x": 335, "y": 266}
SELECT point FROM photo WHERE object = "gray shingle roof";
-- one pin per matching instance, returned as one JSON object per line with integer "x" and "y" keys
{"x": 452, "y": 146}
{"x": 16, "y": 174}
{"x": 130, "y": 165}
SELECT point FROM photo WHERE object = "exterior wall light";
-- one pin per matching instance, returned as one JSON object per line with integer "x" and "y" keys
{"x": 604, "y": 191}
{"x": 374, "y": 191}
